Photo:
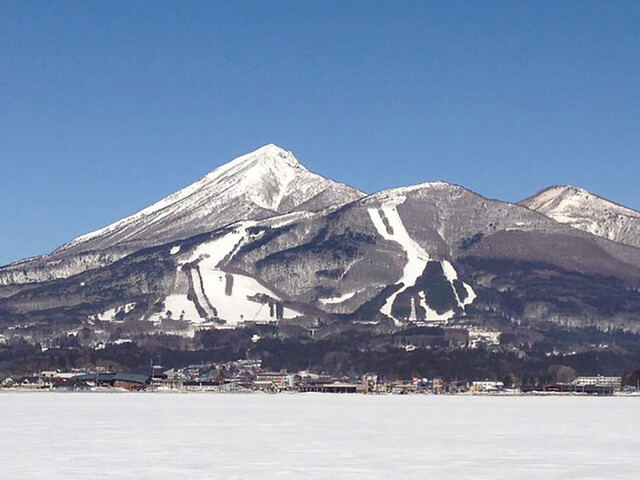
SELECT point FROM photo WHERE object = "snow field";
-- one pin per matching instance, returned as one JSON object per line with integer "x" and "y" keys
{"x": 236, "y": 307}
{"x": 317, "y": 436}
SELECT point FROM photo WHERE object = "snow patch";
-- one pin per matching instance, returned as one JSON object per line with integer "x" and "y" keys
{"x": 432, "y": 315}
{"x": 226, "y": 295}
{"x": 237, "y": 307}
{"x": 417, "y": 257}
{"x": 451, "y": 275}
{"x": 110, "y": 314}
{"x": 180, "y": 307}
{"x": 340, "y": 299}
{"x": 217, "y": 249}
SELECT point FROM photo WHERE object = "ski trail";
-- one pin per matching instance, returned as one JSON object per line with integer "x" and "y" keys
{"x": 417, "y": 257}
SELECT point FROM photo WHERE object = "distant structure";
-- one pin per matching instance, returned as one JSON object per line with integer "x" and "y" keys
{"x": 599, "y": 381}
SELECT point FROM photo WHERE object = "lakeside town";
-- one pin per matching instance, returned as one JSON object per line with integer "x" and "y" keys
{"x": 248, "y": 376}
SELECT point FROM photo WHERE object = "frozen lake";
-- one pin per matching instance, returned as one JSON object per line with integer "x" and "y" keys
{"x": 146, "y": 435}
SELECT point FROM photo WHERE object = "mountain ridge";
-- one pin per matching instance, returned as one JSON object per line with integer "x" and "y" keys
{"x": 266, "y": 182}
{"x": 287, "y": 245}
{"x": 588, "y": 212}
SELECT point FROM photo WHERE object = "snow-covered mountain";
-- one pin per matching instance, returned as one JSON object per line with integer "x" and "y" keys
{"x": 588, "y": 212}
{"x": 263, "y": 239}
{"x": 260, "y": 184}
{"x": 267, "y": 182}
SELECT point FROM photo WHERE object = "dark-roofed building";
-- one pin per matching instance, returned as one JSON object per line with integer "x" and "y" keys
{"x": 131, "y": 381}
{"x": 128, "y": 381}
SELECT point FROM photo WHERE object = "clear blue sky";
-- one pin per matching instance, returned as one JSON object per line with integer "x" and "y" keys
{"x": 105, "y": 107}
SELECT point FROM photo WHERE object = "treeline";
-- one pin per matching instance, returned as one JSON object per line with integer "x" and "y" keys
{"x": 350, "y": 353}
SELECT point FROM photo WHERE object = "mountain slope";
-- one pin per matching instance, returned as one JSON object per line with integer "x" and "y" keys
{"x": 262, "y": 239}
{"x": 266, "y": 182}
{"x": 434, "y": 253}
{"x": 260, "y": 184}
{"x": 588, "y": 212}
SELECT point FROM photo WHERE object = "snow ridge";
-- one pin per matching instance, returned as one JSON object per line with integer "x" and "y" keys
{"x": 261, "y": 184}
{"x": 585, "y": 211}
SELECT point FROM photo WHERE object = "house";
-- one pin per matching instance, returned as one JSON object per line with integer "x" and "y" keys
{"x": 51, "y": 374}
{"x": 167, "y": 381}
{"x": 480, "y": 336}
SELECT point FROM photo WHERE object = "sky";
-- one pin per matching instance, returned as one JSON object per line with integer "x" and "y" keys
{"x": 108, "y": 106}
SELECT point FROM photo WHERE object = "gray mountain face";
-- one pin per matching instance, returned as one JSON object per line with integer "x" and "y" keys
{"x": 261, "y": 184}
{"x": 588, "y": 212}
{"x": 434, "y": 253}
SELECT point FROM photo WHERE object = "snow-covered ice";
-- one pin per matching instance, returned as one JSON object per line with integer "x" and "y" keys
{"x": 198, "y": 436}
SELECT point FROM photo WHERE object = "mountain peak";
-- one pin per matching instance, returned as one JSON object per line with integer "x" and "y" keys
{"x": 265, "y": 182}
{"x": 566, "y": 196}
{"x": 270, "y": 154}
{"x": 586, "y": 211}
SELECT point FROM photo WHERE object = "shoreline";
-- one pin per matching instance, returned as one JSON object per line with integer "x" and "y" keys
{"x": 290, "y": 393}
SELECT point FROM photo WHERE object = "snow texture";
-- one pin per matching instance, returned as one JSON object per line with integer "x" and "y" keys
{"x": 417, "y": 257}
{"x": 226, "y": 295}
{"x": 340, "y": 299}
{"x": 179, "y": 306}
{"x": 203, "y": 436}
{"x": 266, "y": 182}
{"x": 588, "y": 212}
{"x": 109, "y": 315}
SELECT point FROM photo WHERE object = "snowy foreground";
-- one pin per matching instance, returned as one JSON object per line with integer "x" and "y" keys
{"x": 78, "y": 435}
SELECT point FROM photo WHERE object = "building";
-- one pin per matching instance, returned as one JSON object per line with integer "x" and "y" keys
{"x": 131, "y": 381}
{"x": 331, "y": 387}
{"x": 430, "y": 337}
{"x": 7, "y": 382}
{"x": 128, "y": 381}
{"x": 486, "y": 386}
{"x": 275, "y": 381}
{"x": 599, "y": 381}
{"x": 55, "y": 374}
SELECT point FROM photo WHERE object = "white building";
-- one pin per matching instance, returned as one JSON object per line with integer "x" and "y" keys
{"x": 599, "y": 381}
{"x": 486, "y": 386}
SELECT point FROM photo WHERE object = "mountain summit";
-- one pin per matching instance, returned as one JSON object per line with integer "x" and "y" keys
{"x": 264, "y": 183}
{"x": 585, "y": 211}
{"x": 260, "y": 184}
